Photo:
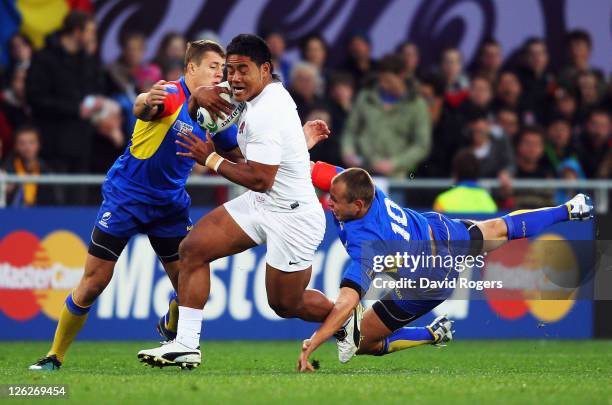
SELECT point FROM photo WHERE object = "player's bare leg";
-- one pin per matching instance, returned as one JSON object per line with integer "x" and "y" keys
{"x": 377, "y": 339}
{"x": 289, "y": 298}
{"x": 373, "y": 333}
{"x": 215, "y": 235}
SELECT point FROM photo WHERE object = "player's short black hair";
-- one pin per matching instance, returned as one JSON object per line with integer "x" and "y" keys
{"x": 252, "y": 46}
{"x": 465, "y": 165}
{"x": 359, "y": 185}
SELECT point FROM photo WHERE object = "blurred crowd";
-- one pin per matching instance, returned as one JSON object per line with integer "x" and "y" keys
{"x": 62, "y": 110}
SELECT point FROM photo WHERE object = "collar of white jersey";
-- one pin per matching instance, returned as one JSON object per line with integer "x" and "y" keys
{"x": 268, "y": 87}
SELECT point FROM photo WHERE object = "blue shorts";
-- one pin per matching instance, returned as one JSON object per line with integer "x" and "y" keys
{"x": 122, "y": 216}
{"x": 452, "y": 238}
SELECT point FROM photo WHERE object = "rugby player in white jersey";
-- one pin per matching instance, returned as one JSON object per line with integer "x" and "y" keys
{"x": 280, "y": 209}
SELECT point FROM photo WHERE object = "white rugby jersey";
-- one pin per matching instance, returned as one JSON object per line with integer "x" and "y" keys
{"x": 270, "y": 132}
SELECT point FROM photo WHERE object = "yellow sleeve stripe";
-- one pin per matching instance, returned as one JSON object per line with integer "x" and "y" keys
{"x": 149, "y": 135}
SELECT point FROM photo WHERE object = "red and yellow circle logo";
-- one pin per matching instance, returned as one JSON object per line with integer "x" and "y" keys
{"x": 543, "y": 274}
{"x": 36, "y": 274}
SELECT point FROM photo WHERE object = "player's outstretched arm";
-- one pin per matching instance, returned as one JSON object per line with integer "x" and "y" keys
{"x": 322, "y": 174}
{"x": 345, "y": 303}
{"x": 147, "y": 105}
{"x": 315, "y": 131}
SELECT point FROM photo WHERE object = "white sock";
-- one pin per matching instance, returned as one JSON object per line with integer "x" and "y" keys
{"x": 189, "y": 327}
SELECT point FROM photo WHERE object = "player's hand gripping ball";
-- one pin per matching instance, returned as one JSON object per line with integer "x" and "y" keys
{"x": 216, "y": 124}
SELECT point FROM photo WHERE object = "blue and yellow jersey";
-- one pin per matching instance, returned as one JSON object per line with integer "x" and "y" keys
{"x": 384, "y": 222}
{"x": 149, "y": 170}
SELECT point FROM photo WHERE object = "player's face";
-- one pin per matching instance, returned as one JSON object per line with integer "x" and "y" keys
{"x": 245, "y": 77}
{"x": 342, "y": 209}
{"x": 210, "y": 70}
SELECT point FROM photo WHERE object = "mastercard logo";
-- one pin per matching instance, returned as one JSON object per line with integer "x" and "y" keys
{"x": 549, "y": 271}
{"x": 37, "y": 274}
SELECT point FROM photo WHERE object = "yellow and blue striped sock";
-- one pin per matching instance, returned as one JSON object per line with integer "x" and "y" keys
{"x": 71, "y": 321}
{"x": 171, "y": 317}
{"x": 406, "y": 338}
{"x": 526, "y": 223}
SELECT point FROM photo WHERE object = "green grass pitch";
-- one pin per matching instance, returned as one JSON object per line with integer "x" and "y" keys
{"x": 483, "y": 372}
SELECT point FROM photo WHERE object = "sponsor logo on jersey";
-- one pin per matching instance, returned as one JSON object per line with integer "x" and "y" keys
{"x": 182, "y": 126}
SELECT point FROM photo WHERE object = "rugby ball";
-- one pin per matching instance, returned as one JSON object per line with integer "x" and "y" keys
{"x": 205, "y": 120}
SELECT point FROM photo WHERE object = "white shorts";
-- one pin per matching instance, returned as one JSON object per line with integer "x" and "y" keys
{"x": 292, "y": 237}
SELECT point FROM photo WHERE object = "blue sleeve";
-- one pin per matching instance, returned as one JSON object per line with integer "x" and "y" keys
{"x": 355, "y": 278}
{"x": 228, "y": 139}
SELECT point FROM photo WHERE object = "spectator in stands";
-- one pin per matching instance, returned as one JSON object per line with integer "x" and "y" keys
{"x": 466, "y": 195}
{"x": 313, "y": 50}
{"x": 171, "y": 48}
{"x": 305, "y": 81}
{"x": 590, "y": 94}
{"x": 172, "y": 71}
{"x": 559, "y": 143}
{"x": 455, "y": 80}
{"x": 14, "y": 110}
{"x": 62, "y": 88}
{"x": 122, "y": 75}
{"x": 25, "y": 161}
{"x": 594, "y": 143}
{"x": 340, "y": 98}
{"x": 328, "y": 151}
{"x": 489, "y": 61}
{"x": 432, "y": 91}
{"x": 121, "y": 72}
{"x": 493, "y": 152}
{"x": 579, "y": 46}
{"x": 508, "y": 120}
{"x": 480, "y": 97}
{"x": 536, "y": 79}
{"x": 565, "y": 104}
{"x": 20, "y": 50}
{"x": 530, "y": 164}
{"x": 569, "y": 170}
{"x": 509, "y": 94}
{"x": 388, "y": 132}
{"x": 445, "y": 137}
{"x": 276, "y": 43}
{"x": 359, "y": 62}
{"x": 530, "y": 161}
{"x": 409, "y": 51}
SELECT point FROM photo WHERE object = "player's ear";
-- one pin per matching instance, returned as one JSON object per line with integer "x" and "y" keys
{"x": 266, "y": 68}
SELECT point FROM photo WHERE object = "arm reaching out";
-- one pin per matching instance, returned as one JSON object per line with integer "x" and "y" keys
{"x": 345, "y": 303}
{"x": 322, "y": 174}
{"x": 315, "y": 132}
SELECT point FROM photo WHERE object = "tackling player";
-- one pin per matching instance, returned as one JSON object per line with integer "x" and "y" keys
{"x": 144, "y": 191}
{"x": 363, "y": 213}
{"x": 280, "y": 209}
